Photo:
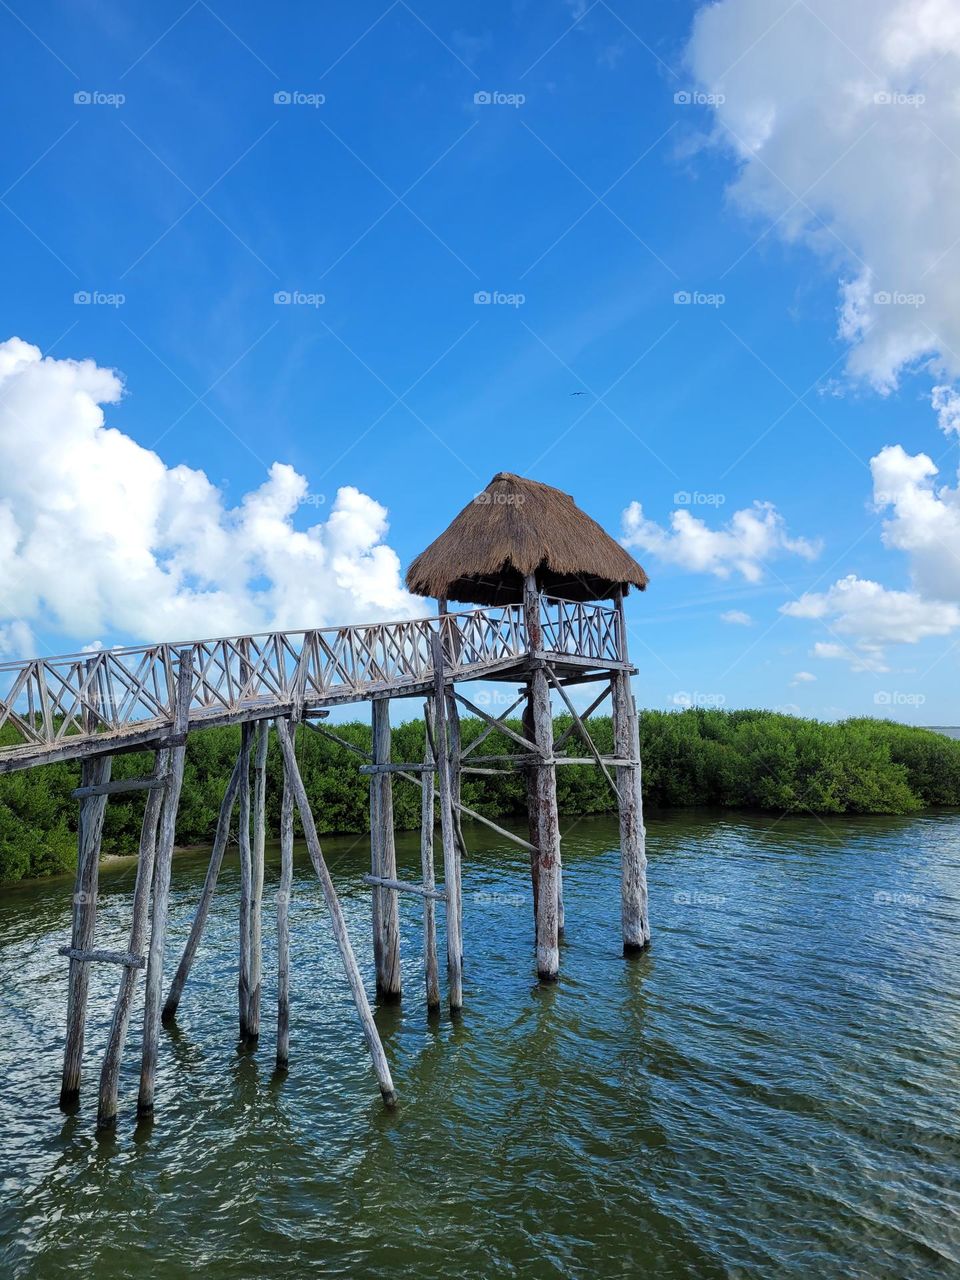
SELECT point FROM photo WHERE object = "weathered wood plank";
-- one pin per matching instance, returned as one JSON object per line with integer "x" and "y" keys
{"x": 405, "y": 886}
{"x": 111, "y": 957}
{"x": 121, "y": 787}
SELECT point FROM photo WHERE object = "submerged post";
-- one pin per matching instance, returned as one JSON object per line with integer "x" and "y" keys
{"x": 450, "y": 873}
{"x": 370, "y": 1033}
{"x": 383, "y": 860}
{"x": 258, "y": 848}
{"x": 161, "y": 884}
{"x": 94, "y": 773}
{"x": 283, "y": 923}
{"x": 206, "y": 896}
{"x": 430, "y": 966}
{"x": 246, "y": 882}
{"x": 543, "y": 794}
{"x": 633, "y": 859}
{"x": 110, "y": 1071}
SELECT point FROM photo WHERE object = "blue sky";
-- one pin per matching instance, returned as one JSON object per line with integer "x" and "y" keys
{"x": 586, "y": 196}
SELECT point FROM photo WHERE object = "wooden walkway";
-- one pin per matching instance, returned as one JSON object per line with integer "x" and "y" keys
{"x": 87, "y": 704}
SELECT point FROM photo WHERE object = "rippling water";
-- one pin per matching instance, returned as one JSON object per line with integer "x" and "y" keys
{"x": 771, "y": 1091}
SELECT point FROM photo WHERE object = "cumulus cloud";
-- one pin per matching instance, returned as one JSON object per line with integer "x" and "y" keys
{"x": 802, "y": 677}
{"x": 98, "y": 536}
{"x": 873, "y": 616}
{"x": 736, "y": 618}
{"x": 743, "y": 545}
{"x": 844, "y": 121}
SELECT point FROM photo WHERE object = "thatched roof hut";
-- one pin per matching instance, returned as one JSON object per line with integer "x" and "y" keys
{"x": 517, "y": 527}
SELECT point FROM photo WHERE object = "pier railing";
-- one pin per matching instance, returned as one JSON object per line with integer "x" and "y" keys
{"x": 49, "y": 703}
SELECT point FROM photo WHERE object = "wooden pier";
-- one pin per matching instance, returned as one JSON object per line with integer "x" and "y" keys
{"x": 550, "y": 584}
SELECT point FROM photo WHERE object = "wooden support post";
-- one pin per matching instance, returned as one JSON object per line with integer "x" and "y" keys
{"x": 371, "y": 1036}
{"x": 430, "y": 966}
{"x": 283, "y": 924}
{"x": 450, "y": 876}
{"x": 530, "y": 777}
{"x": 110, "y": 1071}
{"x": 633, "y": 859}
{"x": 256, "y": 877}
{"x": 383, "y": 861}
{"x": 246, "y": 882}
{"x": 206, "y": 896}
{"x": 95, "y": 773}
{"x": 161, "y": 885}
{"x": 544, "y": 796}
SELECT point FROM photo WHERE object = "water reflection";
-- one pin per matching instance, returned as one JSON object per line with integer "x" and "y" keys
{"x": 767, "y": 1091}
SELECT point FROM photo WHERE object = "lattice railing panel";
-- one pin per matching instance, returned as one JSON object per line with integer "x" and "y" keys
{"x": 48, "y": 700}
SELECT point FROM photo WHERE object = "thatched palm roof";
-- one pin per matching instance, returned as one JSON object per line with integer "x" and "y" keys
{"x": 516, "y": 527}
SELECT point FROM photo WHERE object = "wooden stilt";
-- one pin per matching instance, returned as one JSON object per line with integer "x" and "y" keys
{"x": 206, "y": 896}
{"x": 430, "y": 966}
{"x": 256, "y": 877}
{"x": 383, "y": 861}
{"x": 95, "y": 773}
{"x": 453, "y": 755}
{"x": 161, "y": 887}
{"x": 283, "y": 925}
{"x": 450, "y": 880}
{"x": 246, "y": 882}
{"x": 374, "y": 1044}
{"x": 544, "y": 795}
{"x": 530, "y": 776}
{"x": 110, "y": 1071}
{"x": 633, "y": 860}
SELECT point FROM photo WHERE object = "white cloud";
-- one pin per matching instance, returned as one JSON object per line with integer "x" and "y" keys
{"x": 748, "y": 539}
{"x": 737, "y": 618}
{"x": 844, "y": 121}
{"x": 99, "y": 536}
{"x": 873, "y": 616}
{"x": 802, "y": 677}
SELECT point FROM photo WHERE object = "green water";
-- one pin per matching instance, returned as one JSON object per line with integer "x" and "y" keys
{"x": 771, "y": 1091}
